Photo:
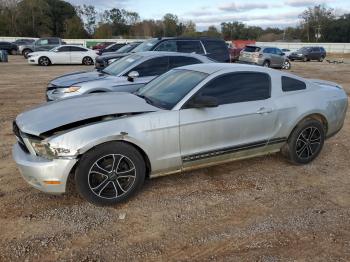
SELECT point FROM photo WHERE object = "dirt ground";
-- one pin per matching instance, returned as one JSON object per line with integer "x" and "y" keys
{"x": 261, "y": 209}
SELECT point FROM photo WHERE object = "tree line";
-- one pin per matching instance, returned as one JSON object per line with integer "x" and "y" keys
{"x": 38, "y": 18}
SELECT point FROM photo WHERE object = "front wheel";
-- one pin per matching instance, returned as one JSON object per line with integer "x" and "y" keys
{"x": 13, "y": 52}
{"x": 88, "y": 61}
{"x": 321, "y": 59}
{"x": 110, "y": 173}
{"x": 26, "y": 52}
{"x": 44, "y": 61}
{"x": 305, "y": 142}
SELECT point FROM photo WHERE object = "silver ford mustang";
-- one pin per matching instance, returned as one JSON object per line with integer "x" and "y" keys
{"x": 189, "y": 117}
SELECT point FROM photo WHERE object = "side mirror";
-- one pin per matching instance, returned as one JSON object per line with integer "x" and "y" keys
{"x": 132, "y": 75}
{"x": 202, "y": 101}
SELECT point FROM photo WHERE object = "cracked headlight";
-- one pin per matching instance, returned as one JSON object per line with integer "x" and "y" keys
{"x": 72, "y": 89}
{"x": 44, "y": 149}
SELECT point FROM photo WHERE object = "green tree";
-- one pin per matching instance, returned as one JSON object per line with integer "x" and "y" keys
{"x": 74, "y": 28}
{"x": 88, "y": 15}
{"x": 170, "y": 22}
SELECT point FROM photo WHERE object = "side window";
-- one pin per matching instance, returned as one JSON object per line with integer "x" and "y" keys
{"x": 53, "y": 41}
{"x": 267, "y": 51}
{"x": 278, "y": 51}
{"x": 291, "y": 84}
{"x": 64, "y": 49}
{"x": 153, "y": 67}
{"x": 238, "y": 87}
{"x": 77, "y": 49}
{"x": 42, "y": 42}
{"x": 189, "y": 47}
{"x": 177, "y": 61}
{"x": 167, "y": 46}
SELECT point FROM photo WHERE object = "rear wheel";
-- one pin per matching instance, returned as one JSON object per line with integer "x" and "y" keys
{"x": 13, "y": 52}
{"x": 305, "y": 142}
{"x": 266, "y": 64}
{"x": 110, "y": 173}
{"x": 88, "y": 61}
{"x": 44, "y": 61}
{"x": 286, "y": 65}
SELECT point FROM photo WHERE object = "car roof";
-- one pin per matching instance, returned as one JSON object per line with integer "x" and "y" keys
{"x": 165, "y": 53}
{"x": 211, "y": 68}
{"x": 74, "y": 46}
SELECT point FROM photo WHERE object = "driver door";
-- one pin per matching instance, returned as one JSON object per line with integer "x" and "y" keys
{"x": 241, "y": 124}
{"x": 62, "y": 56}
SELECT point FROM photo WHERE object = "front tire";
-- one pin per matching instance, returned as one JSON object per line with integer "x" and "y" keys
{"x": 88, "y": 60}
{"x": 321, "y": 59}
{"x": 26, "y": 52}
{"x": 13, "y": 52}
{"x": 44, "y": 61}
{"x": 110, "y": 173}
{"x": 305, "y": 143}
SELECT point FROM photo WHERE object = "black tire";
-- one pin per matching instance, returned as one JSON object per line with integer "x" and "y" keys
{"x": 266, "y": 63}
{"x": 44, "y": 61}
{"x": 321, "y": 59}
{"x": 305, "y": 143}
{"x": 292, "y": 60}
{"x": 305, "y": 59}
{"x": 26, "y": 52}
{"x": 87, "y": 60}
{"x": 97, "y": 179}
{"x": 286, "y": 65}
{"x": 13, "y": 52}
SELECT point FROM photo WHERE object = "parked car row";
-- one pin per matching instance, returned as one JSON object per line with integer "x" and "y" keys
{"x": 167, "y": 112}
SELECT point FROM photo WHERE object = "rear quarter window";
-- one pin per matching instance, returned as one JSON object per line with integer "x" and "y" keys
{"x": 251, "y": 49}
{"x": 291, "y": 84}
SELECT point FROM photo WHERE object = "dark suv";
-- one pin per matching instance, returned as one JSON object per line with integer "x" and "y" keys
{"x": 309, "y": 53}
{"x": 213, "y": 48}
{"x": 9, "y": 47}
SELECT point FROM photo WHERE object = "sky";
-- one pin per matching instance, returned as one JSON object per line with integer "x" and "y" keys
{"x": 274, "y": 13}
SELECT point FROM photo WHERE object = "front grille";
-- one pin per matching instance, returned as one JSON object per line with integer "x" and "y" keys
{"x": 51, "y": 87}
{"x": 17, "y": 133}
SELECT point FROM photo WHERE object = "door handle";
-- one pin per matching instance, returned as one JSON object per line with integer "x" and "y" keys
{"x": 264, "y": 110}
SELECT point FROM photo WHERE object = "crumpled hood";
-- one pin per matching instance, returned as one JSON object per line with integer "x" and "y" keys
{"x": 77, "y": 77}
{"x": 49, "y": 116}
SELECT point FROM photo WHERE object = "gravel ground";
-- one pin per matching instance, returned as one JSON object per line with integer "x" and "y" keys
{"x": 261, "y": 209}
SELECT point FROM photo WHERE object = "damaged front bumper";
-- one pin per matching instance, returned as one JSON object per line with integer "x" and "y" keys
{"x": 49, "y": 176}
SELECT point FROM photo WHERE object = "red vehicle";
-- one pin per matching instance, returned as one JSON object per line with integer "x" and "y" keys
{"x": 236, "y": 46}
{"x": 101, "y": 45}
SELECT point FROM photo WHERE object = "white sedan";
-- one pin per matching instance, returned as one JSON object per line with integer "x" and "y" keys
{"x": 64, "y": 54}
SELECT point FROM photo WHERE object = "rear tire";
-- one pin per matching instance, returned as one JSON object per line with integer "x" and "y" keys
{"x": 305, "y": 143}
{"x": 87, "y": 60}
{"x": 266, "y": 64}
{"x": 13, "y": 52}
{"x": 110, "y": 173}
{"x": 286, "y": 65}
{"x": 44, "y": 61}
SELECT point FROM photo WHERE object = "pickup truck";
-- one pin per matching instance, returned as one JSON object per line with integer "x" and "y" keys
{"x": 42, "y": 44}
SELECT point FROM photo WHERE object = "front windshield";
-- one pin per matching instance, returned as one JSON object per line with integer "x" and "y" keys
{"x": 168, "y": 89}
{"x": 120, "y": 65}
{"x": 147, "y": 45}
{"x": 54, "y": 49}
{"x": 125, "y": 49}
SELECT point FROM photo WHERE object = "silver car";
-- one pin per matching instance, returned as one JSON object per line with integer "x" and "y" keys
{"x": 190, "y": 117}
{"x": 125, "y": 75}
{"x": 265, "y": 56}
